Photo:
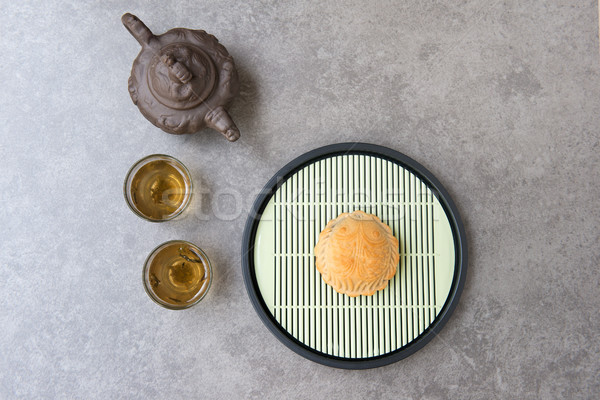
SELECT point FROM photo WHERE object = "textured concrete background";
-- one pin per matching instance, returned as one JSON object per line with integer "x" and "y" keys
{"x": 499, "y": 99}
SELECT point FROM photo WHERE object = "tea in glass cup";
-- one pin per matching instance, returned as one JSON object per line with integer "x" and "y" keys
{"x": 158, "y": 188}
{"x": 177, "y": 274}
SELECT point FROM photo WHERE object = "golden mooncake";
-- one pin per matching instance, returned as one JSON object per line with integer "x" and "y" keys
{"x": 357, "y": 254}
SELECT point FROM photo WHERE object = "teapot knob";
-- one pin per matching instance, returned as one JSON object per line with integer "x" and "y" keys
{"x": 177, "y": 70}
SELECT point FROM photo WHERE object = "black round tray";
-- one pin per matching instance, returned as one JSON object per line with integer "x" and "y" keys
{"x": 431, "y": 325}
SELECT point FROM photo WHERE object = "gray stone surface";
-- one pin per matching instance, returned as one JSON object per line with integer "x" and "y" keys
{"x": 500, "y": 100}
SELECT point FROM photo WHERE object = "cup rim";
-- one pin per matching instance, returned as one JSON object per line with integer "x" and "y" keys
{"x": 154, "y": 297}
{"x": 182, "y": 208}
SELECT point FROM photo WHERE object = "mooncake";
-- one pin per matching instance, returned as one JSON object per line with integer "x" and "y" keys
{"x": 357, "y": 254}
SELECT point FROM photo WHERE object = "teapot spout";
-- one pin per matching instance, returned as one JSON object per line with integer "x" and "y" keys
{"x": 138, "y": 30}
{"x": 219, "y": 120}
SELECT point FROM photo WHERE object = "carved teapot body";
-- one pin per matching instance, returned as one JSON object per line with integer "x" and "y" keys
{"x": 183, "y": 80}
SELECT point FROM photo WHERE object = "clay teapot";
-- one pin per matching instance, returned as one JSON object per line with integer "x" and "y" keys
{"x": 183, "y": 80}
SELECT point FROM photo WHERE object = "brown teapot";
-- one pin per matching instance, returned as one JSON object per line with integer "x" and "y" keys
{"x": 183, "y": 80}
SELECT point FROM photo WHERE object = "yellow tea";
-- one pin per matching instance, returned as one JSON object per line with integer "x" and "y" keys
{"x": 177, "y": 274}
{"x": 158, "y": 188}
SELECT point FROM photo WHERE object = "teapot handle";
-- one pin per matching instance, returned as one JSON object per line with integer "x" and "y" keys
{"x": 138, "y": 30}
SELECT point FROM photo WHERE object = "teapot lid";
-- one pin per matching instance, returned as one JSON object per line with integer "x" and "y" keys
{"x": 181, "y": 76}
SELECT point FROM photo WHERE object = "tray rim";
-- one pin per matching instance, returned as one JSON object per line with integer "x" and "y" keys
{"x": 456, "y": 224}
